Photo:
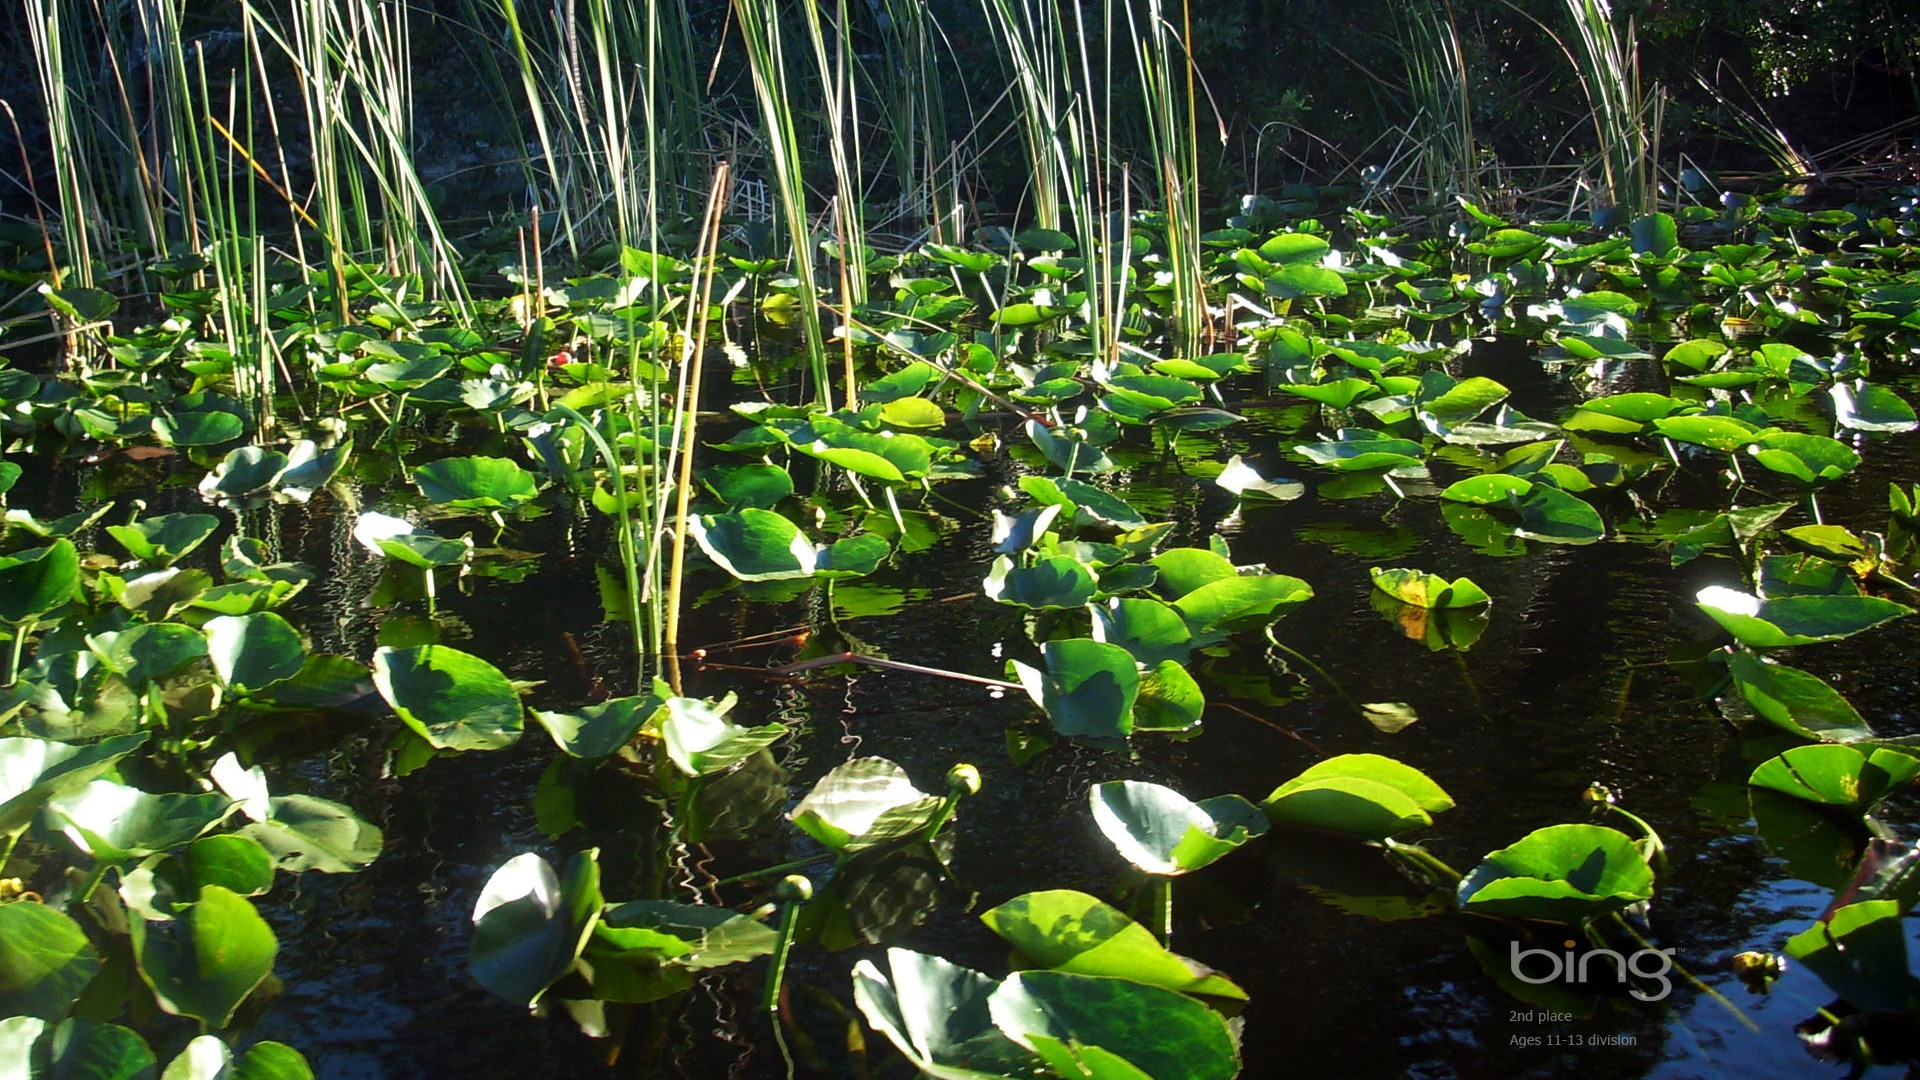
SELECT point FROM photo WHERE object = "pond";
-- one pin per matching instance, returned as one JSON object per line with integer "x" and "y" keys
{"x": 1601, "y": 654}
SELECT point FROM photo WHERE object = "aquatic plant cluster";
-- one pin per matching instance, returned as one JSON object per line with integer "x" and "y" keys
{"x": 141, "y": 813}
{"x": 701, "y": 394}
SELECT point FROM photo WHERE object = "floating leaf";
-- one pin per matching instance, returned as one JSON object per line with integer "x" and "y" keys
{"x": 1064, "y": 930}
{"x": 82, "y": 1049}
{"x": 208, "y": 1058}
{"x": 1240, "y": 478}
{"x": 113, "y": 821}
{"x": 45, "y": 961}
{"x": 1159, "y": 1032}
{"x": 863, "y": 803}
{"x": 1363, "y": 795}
{"x": 1796, "y": 700}
{"x": 1087, "y": 688}
{"x": 936, "y": 1014}
{"x": 755, "y": 545}
{"x": 1052, "y": 581}
{"x": 701, "y": 740}
{"x": 1842, "y": 777}
{"x": 305, "y": 832}
{"x": 252, "y": 652}
{"x": 1863, "y": 406}
{"x": 452, "y": 699}
{"x": 33, "y": 583}
{"x": 35, "y": 770}
{"x": 1421, "y": 589}
{"x": 596, "y": 732}
{"x": 206, "y": 961}
{"x": 474, "y": 483}
{"x": 529, "y": 927}
{"x": 160, "y": 541}
{"x": 1860, "y": 952}
{"x": 1562, "y": 873}
{"x": 1152, "y": 631}
{"x": 1162, "y": 832}
{"x": 1794, "y": 620}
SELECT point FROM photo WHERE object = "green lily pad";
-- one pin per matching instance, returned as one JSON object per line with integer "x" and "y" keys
{"x": 398, "y": 539}
{"x": 206, "y": 961}
{"x": 1364, "y": 795}
{"x": 529, "y": 926}
{"x": 148, "y": 652}
{"x": 452, "y": 699}
{"x": 755, "y": 545}
{"x": 1860, "y": 952}
{"x": 1863, "y": 406}
{"x": 757, "y": 484}
{"x": 1241, "y": 479}
{"x": 1064, "y": 930}
{"x": 1812, "y": 460}
{"x": 208, "y": 1058}
{"x": 1842, "y": 777}
{"x": 1152, "y": 631}
{"x": 1794, "y": 620}
{"x": 1240, "y": 602}
{"x": 864, "y": 803}
{"x": 305, "y": 832}
{"x": 1722, "y": 433}
{"x": 84, "y": 1049}
{"x": 596, "y": 732}
{"x": 1160, "y": 831}
{"x": 475, "y": 483}
{"x": 1421, "y": 589}
{"x": 252, "y": 652}
{"x": 1052, "y": 581}
{"x": 113, "y": 821}
{"x": 1562, "y": 873}
{"x": 45, "y": 961}
{"x": 1169, "y": 699}
{"x": 1797, "y": 701}
{"x": 1157, "y": 1031}
{"x": 1362, "y": 450}
{"x": 912, "y": 412}
{"x": 247, "y": 471}
{"x": 35, "y": 582}
{"x": 160, "y": 541}
{"x": 1087, "y": 688}
{"x": 701, "y": 740}
{"x": 35, "y": 770}
{"x": 936, "y": 1014}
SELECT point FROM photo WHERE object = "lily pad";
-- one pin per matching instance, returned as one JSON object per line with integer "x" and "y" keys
{"x": 529, "y": 926}
{"x": 701, "y": 740}
{"x": 1363, "y": 795}
{"x": 1160, "y": 831}
{"x": 45, "y": 961}
{"x": 1051, "y": 581}
{"x": 1087, "y": 688}
{"x": 1794, "y": 620}
{"x": 1562, "y": 873}
{"x": 206, "y": 961}
{"x": 475, "y": 483}
{"x": 452, "y": 699}
{"x": 864, "y": 803}
{"x": 596, "y": 732}
{"x": 35, "y": 582}
{"x": 1064, "y": 930}
{"x": 1796, "y": 700}
{"x": 1842, "y": 777}
{"x": 160, "y": 541}
{"x": 252, "y": 652}
{"x": 755, "y": 545}
{"x": 1421, "y": 589}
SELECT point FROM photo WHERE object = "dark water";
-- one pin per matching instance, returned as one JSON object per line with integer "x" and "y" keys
{"x": 1569, "y": 686}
